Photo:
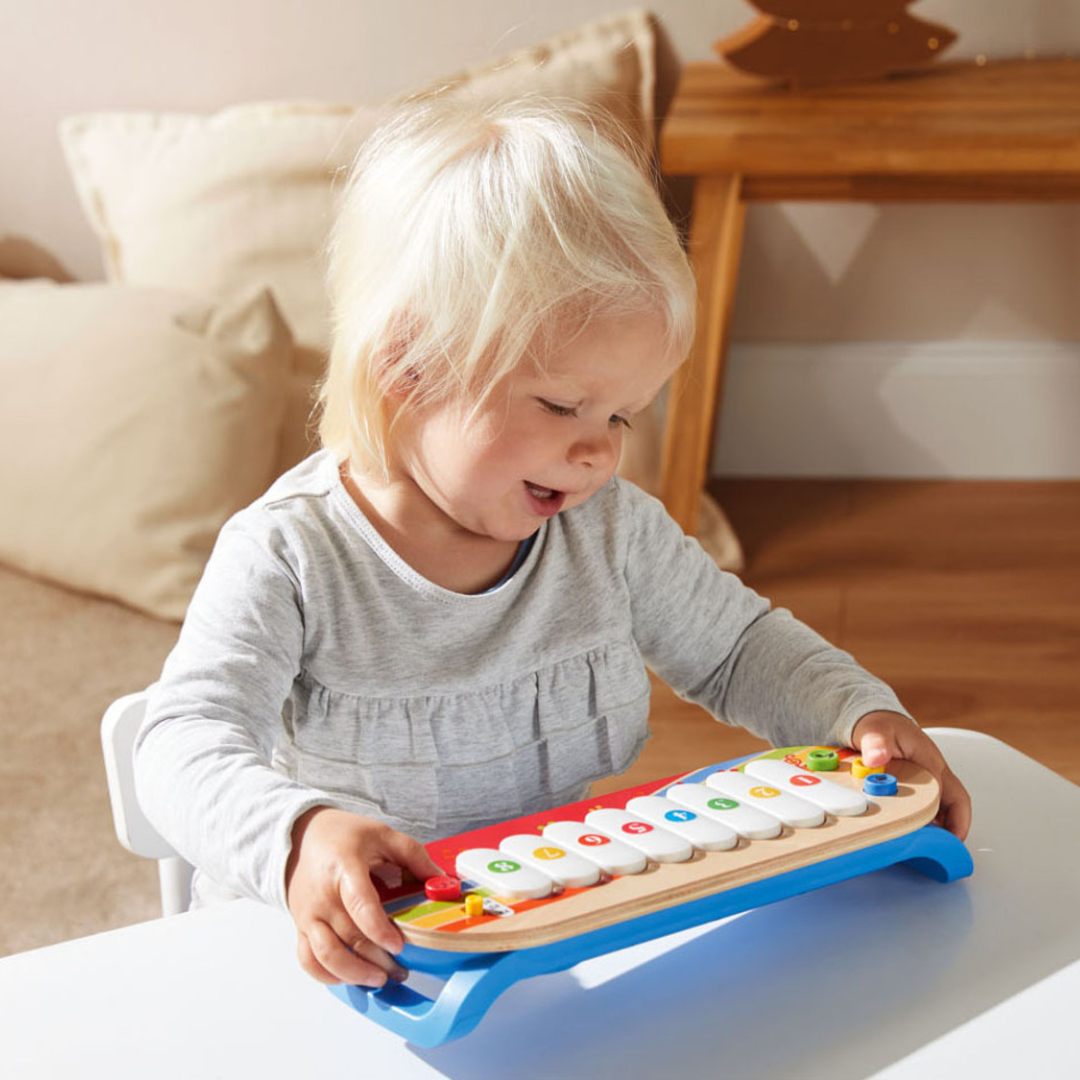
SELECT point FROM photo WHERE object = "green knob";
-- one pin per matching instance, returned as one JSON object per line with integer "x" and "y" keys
{"x": 823, "y": 760}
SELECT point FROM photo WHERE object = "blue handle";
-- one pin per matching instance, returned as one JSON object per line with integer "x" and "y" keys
{"x": 459, "y": 1007}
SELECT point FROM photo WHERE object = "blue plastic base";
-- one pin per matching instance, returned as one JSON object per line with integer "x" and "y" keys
{"x": 475, "y": 980}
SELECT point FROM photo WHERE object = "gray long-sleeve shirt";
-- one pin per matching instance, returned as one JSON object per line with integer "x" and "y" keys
{"x": 315, "y": 667}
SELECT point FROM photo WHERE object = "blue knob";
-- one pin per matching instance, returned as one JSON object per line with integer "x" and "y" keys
{"x": 879, "y": 783}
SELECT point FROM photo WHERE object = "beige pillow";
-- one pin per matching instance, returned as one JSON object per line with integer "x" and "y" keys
{"x": 212, "y": 204}
{"x": 133, "y": 423}
{"x": 610, "y": 63}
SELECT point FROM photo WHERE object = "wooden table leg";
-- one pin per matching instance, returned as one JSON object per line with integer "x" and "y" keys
{"x": 694, "y": 397}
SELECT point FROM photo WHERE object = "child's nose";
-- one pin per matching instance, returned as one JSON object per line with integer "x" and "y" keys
{"x": 597, "y": 450}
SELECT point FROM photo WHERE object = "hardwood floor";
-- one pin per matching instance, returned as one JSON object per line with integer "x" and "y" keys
{"x": 964, "y": 596}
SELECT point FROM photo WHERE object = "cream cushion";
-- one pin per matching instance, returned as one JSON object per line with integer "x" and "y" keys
{"x": 213, "y": 205}
{"x": 133, "y": 423}
{"x": 609, "y": 63}
{"x": 210, "y": 204}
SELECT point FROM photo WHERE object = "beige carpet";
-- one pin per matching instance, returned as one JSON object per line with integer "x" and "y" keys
{"x": 63, "y": 658}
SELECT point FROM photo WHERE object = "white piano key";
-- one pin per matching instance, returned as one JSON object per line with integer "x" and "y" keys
{"x": 657, "y": 843}
{"x": 703, "y": 832}
{"x": 612, "y": 856}
{"x": 737, "y": 814}
{"x": 812, "y": 786}
{"x": 506, "y": 876}
{"x": 566, "y": 868}
{"x": 790, "y": 809}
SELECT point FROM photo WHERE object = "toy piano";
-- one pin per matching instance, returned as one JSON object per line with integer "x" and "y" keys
{"x": 544, "y": 892}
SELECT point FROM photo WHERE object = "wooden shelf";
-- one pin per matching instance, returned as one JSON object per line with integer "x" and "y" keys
{"x": 1019, "y": 118}
{"x": 957, "y": 132}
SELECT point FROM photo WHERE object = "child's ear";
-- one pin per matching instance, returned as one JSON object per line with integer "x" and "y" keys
{"x": 401, "y": 383}
{"x": 406, "y": 383}
{"x": 400, "y": 377}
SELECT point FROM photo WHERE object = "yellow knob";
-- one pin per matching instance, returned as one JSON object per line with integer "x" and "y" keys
{"x": 859, "y": 770}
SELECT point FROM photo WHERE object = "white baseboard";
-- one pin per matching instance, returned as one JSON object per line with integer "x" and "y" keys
{"x": 977, "y": 410}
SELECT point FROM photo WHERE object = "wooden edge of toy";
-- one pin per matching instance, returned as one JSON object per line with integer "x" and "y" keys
{"x": 669, "y": 884}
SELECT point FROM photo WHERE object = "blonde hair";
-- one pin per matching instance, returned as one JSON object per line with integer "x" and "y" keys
{"x": 469, "y": 238}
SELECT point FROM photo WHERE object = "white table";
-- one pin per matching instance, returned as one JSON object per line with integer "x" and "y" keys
{"x": 888, "y": 975}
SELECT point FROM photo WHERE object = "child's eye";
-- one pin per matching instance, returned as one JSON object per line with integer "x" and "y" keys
{"x": 557, "y": 410}
{"x": 571, "y": 410}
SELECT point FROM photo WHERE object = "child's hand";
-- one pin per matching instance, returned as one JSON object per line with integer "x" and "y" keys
{"x": 882, "y": 736}
{"x": 344, "y": 934}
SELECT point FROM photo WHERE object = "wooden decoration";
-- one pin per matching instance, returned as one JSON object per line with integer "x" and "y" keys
{"x": 816, "y": 42}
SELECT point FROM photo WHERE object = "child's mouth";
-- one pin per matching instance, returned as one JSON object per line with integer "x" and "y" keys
{"x": 545, "y": 501}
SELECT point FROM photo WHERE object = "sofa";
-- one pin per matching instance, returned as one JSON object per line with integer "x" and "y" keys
{"x": 139, "y": 412}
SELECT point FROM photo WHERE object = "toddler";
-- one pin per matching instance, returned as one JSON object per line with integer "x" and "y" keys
{"x": 443, "y": 618}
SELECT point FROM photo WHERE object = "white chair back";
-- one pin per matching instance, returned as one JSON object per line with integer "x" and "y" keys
{"x": 119, "y": 726}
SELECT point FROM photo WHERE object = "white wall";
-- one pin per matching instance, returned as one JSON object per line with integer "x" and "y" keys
{"x": 815, "y": 277}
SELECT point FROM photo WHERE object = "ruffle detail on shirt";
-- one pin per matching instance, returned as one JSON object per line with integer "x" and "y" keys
{"x": 437, "y": 764}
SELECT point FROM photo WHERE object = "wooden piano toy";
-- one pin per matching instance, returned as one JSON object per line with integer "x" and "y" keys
{"x": 547, "y": 891}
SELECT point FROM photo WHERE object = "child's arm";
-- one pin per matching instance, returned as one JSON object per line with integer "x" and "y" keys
{"x": 718, "y": 643}
{"x": 203, "y": 760}
{"x": 202, "y": 756}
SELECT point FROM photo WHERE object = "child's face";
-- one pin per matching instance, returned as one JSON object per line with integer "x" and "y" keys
{"x": 542, "y": 442}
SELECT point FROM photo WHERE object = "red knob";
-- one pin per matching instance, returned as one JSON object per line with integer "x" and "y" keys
{"x": 443, "y": 888}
